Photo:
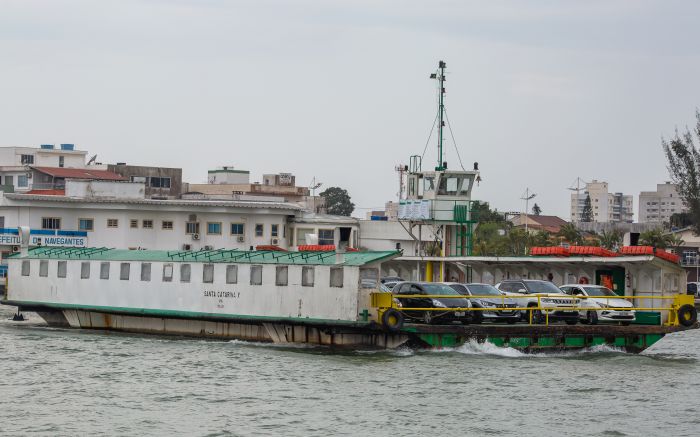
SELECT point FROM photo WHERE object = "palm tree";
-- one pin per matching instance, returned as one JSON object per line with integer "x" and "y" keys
{"x": 611, "y": 240}
{"x": 569, "y": 233}
{"x": 675, "y": 241}
{"x": 656, "y": 238}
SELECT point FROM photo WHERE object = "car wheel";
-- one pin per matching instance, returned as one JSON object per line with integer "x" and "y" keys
{"x": 428, "y": 317}
{"x": 592, "y": 318}
{"x": 571, "y": 322}
{"x": 512, "y": 321}
{"x": 625, "y": 323}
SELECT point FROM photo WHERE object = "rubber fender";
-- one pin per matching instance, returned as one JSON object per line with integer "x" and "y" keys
{"x": 392, "y": 319}
{"x": 687, "y": 315}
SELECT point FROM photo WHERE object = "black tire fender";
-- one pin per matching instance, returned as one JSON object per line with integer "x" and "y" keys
{"x": 392, "y": 319}
{"x": 687, "y": 315}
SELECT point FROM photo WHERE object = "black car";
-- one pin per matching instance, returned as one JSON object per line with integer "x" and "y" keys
{"x": 497, "y": 307}
{"x": 417, "y": 290}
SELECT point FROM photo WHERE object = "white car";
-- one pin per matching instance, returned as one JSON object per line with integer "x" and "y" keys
{"x": 596, "y": 304}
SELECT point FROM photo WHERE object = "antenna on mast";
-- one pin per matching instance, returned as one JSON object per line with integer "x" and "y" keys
{"x": 439, "y": 75}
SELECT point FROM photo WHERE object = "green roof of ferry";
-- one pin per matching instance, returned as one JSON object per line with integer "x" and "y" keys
{"x": 208, "y": 256}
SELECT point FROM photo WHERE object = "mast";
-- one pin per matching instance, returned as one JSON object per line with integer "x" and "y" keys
{"x": 440, "y": 76}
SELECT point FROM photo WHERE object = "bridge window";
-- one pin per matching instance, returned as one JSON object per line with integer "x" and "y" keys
{"x": 25, "y": 268}
{"x": 85, "y": 270}
{"x": 104, "y": 270}
{"x": 44, "y": 268}
{"x": 185, "y": 272}
{"x": 62, "y": 269}
{"x": 281, "y": 275}
{"x": 231, "y": 274}
{"x": 307, "y": 276}
{"x": 369, "y": 277}
{"x": 337, "y": 277}
{"x": 167, "y": 272}
{"x": 256, "y": 275}
{"x": 124, "y": 270}
{"x": 208, "y": 274}
{"x": 146, "y": 272}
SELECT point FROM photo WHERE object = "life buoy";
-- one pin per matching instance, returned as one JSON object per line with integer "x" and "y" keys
{"x": 392, "y": 319}
{"x": 687, "y": 315}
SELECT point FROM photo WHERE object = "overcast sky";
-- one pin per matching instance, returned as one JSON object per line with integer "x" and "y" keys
{"x": 539, "y": 92}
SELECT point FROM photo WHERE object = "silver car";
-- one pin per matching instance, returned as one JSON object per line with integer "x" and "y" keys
{"x": 496, "y": 308}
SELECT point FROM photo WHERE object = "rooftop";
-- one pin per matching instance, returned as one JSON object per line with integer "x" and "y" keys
{"x": 80, "y": 173}
{"x": 208, "y": 256}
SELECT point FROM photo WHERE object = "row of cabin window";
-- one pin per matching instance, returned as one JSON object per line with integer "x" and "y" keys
{"x": 256, "y": 278}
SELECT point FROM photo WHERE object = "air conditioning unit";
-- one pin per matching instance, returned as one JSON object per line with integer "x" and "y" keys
{"x": 15, "y": 248}
{"x": 208, "y": 247}
{"x": 240, "y": 239}
{"x": 275, "y": 241}
{"x": 195, "y": 236}
{"x": 186, "y": 246}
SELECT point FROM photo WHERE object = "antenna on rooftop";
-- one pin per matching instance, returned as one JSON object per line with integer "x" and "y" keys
{"x": 439, "y": 75}
{"x": 91, "y": 160}
{"x": 578, "y": 188}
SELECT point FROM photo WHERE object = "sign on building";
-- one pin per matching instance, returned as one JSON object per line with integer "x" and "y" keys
{"x": 414, "y": 210}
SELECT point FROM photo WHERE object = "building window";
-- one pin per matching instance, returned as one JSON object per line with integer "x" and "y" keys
{"x": 281, "y": 275}
{"x": 156, "y": 182}
{"x": 124, "y": 270}
{"x": 167, "y": 225}
{"x": 214, "y": 228}
{"x": 133, "y": 223}
{"x": 61, "y": 161}
{"x": 85, "y": 270}
{"x": 337, "y": 277}
{"x": 237, "y": 228}
{"x": 185, "y": 272}
{"x": 2, "y": 221}
{"x": 62, "y": 269}
{"x": 369, "y": 277}
{"x": 147, "y": 224}
{"x": 22, "y": 181}
{"x": 168, "y": 272}
{"x": 274, "y": 230}
{"x": 50, "y": 223}
{"x": 302, "y": 233}
{"x": 192, "y": 228}
{"x": 231, "y": 274}
{"x": 259, "y": 230}
{"x": 112, "y": 223}
{"x": 25, "y": 268}
{"x": 146, "y": 272}
{"x": 104, "y": 270}
{"x": 307, "y": 276}
{"x": 208, "y": 274}
{"x": 86, "y": 224}
{"x": 326, "y": 237}
{"x": 256, "y": 275}
{"x": 9, "y": 180}
{"x": 27, "y": 159}
{"x": 44, "y": 268}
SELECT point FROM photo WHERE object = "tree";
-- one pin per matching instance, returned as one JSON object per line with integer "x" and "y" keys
{"x": 610, "y": 240}
{"x": 587, "y": 214}
{"x": 337, "y": 201}
{"x": 536, "y": 209}
{"x": 675, "y": 241}
{"x": 655, "y": 237}
{"x": 684, "y": 168}
{"x": 570, "y": 234}
{"x": 484, "y": 214}
{"x": 681, "y": 220}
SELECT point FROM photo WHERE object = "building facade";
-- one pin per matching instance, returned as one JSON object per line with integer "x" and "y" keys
{"x": 159, "y": 182}
{"x": 16, "y": 163}
{"x": 606, "y": 207}
{"x": 658, "y": 206}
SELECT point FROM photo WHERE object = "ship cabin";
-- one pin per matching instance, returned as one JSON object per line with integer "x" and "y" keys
{"x": 233, "y": 284}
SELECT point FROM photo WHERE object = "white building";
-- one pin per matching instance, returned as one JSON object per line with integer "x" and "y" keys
{"x": 606, "y": 207}
{"x": 15, "y": 162}
{"x": 658, "y": 206}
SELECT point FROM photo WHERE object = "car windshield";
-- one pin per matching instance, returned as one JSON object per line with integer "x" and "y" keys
{"x": 599, "y": 291}
{"x": 542, "y": 287}
{"x": 445, "y": 290}
{"x": 483, "y": 290}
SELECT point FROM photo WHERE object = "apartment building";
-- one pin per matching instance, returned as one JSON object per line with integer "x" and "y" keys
{"x": 606, "y": 207}
{"x": 658, "y": 206}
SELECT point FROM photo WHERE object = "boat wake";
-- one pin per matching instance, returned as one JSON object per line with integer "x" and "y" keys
{"x": 489, "y": 349}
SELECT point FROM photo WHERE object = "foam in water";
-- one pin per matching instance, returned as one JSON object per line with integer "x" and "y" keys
{"x": 486, "y": 348}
